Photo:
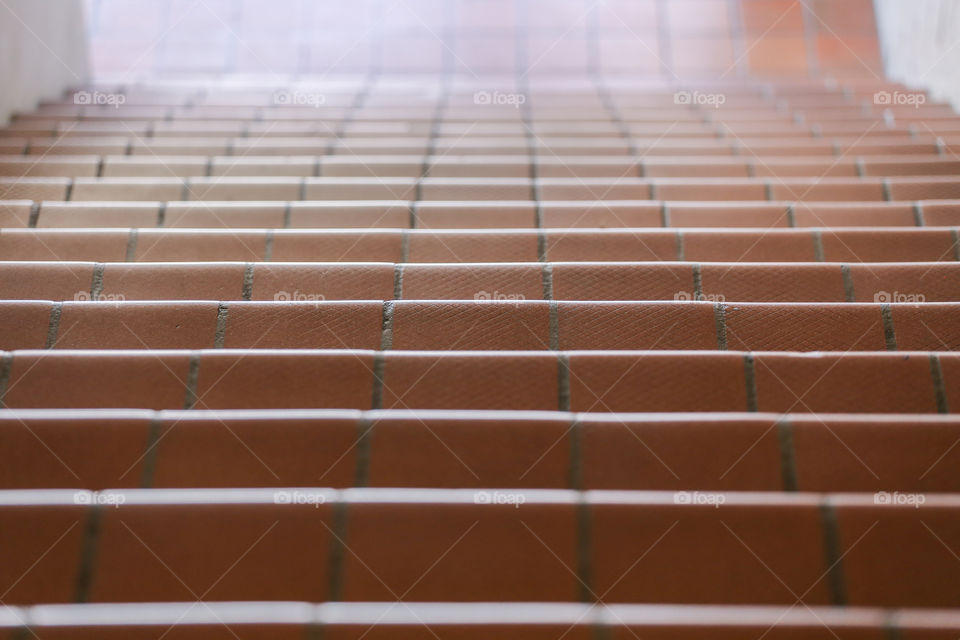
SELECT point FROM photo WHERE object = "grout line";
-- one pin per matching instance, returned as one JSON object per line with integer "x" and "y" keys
{"x": 379, "y": 370}
{"x": 788, "y": 459}
{"x": 664, "y": 215}
{"x": 193, "y": 374}
{"x": 791, "y": 216}
{"x": 68, "y": 194}
{"x": 720, "y": 322}
{"x": 575, "y": 472}
{"x": 697, "y": 282}
{"x": 939, "y": 390}
{"x": 681, "y": 249}
{"x": 861, "y": 168}
{"x": 302, "y": 190}
{"x": 185, "y": 190}
{"x": 364, "y": 434}
{"x": 886, "y": 190}
{"x": 132, "y": 238}
{"x": 918, "y": 214}
{"x": 54, "y": 327}
{"x": 404, "y": 246}
{"x": 337, "y": 544}
{"x": 414, "y": 212}
{"x": 287, "y": 214}
{"x": 161, "y": 214}
{"x": 398, "y": 282}
{"x": 847, "y": 276}
{"x": 96, "y": 283}
{"x": 6, "y": 366}
{"x": 554, "y": 326}
{"x": 583, "y": 550}
{"x": 955, "y": 235}
{"x": 889, "y": 334}
{"x": 834, "y": 559}
{"x": 247, "y": 291}
{"x": 563, "y": 382}
{"x": 34, "y": 214}
{"x": 546, "y": 275}
{"x": 386, "y": 328}
{"x": 268, "y": 246}
{"x": 768, "y": 191}
{"x": 88, "y": 553}
{"x": 221, "y": 330}
{"x": 750, "y": 381}
{"x": 150, "y": 454}
{"x": 891, "y": 630}
{"x": 817, "y": 236}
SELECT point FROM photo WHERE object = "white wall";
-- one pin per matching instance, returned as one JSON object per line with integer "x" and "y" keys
{"x": 921, "y": 44}
{"x": 43, "y": 50}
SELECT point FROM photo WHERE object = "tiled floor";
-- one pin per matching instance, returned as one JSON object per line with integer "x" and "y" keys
{"x": 530, "y": 319}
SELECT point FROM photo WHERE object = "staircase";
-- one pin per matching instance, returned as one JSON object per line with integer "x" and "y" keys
{"x": 617, "y": 357}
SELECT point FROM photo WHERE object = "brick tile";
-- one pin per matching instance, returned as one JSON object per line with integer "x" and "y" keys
{"x": 480, "y": 325}
{"x": 173, "y": 281}
{"x": 490, "y": 542}
{"x": 207, "y": 450}
{"x": 239, "y": 379}
{"x": 137, "y": 325}
{"x": 845, "y": 383}
{"x": 460, "y": 453}
{"x": 316, "y": 282}
{"x": 651, "y": 382}
{"x": 471, "y": 380}
{"x": 72, "y": 379}
{"x": 84, "y": 451}
{"x": 605, "y": 325}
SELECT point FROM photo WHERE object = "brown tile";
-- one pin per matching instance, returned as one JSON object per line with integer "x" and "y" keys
{"x": 24, "y": 325}
{"x": 474, "y": 380}
{"x": 85, "y": 451}
{"x": 501, "y": 451}
{"x": 475, "y": 325}
{"x": 207, "y": 450}
{"x": 175, "y": 552}
{"x": 475, "y": 215}
{"x": 490, "y": 542}
{"x": 29, "y": 244}
{"x": 296, "y": 324}
{"x": 807, "y": 282}
{"x": 513, "y": 282}
{"x": 647, "y": 552}
{"x": 40, "y": 547}
{"x": 649, "y": 382}
{"x": 337, "y": 246}
{"x": 611, "y": 245}
{"x": 323, "y": 281}
{"x": 74, "y": 379}
{"x": 172, "y": 281}
{"x": 804, "y": 327}
{"x": 462, "y": 246}
{"x": 844, "y": 383}
{"x": 51, "y": 281}
{"x": 711, "y": 453}
{"x": 613, "y": 281}
{"x": 155, "y": 245}
{"x": 615, "y": 325}
{"x": 137, "y": 325}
